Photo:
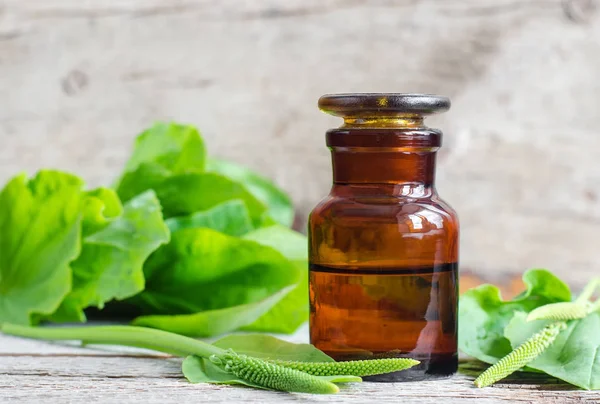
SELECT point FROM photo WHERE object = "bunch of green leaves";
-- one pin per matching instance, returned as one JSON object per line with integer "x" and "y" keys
{"x": 232, "y": 261}
{"x": 196, "y": 245}
{"x": 543, "y": 329}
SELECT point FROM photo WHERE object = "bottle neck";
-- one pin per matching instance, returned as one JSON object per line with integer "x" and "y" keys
{"x": 384, "y": 155}
{"x": 383, "y": 166}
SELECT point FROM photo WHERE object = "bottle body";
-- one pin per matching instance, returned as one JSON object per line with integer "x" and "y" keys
{"x": 383, "y": 252}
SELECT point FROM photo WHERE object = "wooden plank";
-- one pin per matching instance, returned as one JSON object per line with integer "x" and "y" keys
{"x": 53, "y": 373}
{"x": 155, "y": 380}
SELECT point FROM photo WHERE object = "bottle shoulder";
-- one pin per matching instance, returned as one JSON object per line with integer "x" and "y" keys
{"x": 383, "y": 231}
{"x": 430, "y": 212}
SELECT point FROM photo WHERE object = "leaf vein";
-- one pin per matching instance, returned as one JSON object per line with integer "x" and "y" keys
{"x": 593, "y": 365}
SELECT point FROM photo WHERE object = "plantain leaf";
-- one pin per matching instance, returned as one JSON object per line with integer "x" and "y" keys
{"x": 292, "y": 311}
{"x": 280, "y": 209}
{"x": 484, "y": 315}
{"x": 40, "y": 230}
{"x": 212, "y": 322}
{"x": 113, "y": 253}
{"x": 268, "y": 347}
{"x": 230, "y": 217}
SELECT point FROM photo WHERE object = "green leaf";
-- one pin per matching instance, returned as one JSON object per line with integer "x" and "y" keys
{"x": 185, "y": 194}
{"x": 160, "y": 152}
{"x": 484, "y": 314}
{"x": 188, "y": 193}
{"x": 170, "y": 159}
{"x": 290, "y": 243}
{"x": 266, "y": 220}
{"x": 230, "y": 217}
{"x": 111, "y": 260}
{"x": 202, "y": 269}
{"x": 278, "y": 202}
{"x": 41, "y": 229}
{"x": 290, "y": 312}
{"x": 203, "y": 274}
{"x": 268, "y": 347}
{"x": 575, "y": 354}
{"x": 174, "y": 147}
{"x": 293, "y": 310}
{"x": 213, "y": 322}
{"x": 146, "y": 176}
{"x": 99, "y": 207}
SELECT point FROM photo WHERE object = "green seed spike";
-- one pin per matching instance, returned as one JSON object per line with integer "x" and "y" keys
{"x": 563, "y": 311}
{"x": 268, "y": 374}
{"x": 353, "y": 368}
{"x": 588, "y": 291}
{"x": 521, "y": 356}
{"x": 594, "y": 307}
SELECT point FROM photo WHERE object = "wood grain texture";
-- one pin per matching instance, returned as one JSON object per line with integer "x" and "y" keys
{"x": 79, "y": 79}
{"x": 60, "y": 373}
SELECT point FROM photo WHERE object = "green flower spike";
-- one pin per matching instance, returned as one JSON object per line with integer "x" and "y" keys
{"x": 521, "y": 356}
{"x": 270, "y": 375}
{"x": 563, "y": 311}
{"x": 588, "y": 291}
{"x": 353, "y": 368}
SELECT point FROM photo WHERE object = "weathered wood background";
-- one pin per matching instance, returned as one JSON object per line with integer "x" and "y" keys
{"x": 37, "y": 371}
{"x": 79, "y": 79}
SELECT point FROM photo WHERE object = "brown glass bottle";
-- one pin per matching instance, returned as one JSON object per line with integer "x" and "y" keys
{"x": 383, "y": 246}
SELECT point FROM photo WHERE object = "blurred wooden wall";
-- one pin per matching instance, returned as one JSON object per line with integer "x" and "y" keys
{"x": 79, "y": 79}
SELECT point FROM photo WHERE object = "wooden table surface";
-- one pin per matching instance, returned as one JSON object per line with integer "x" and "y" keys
{"x": 47, "y": 372}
